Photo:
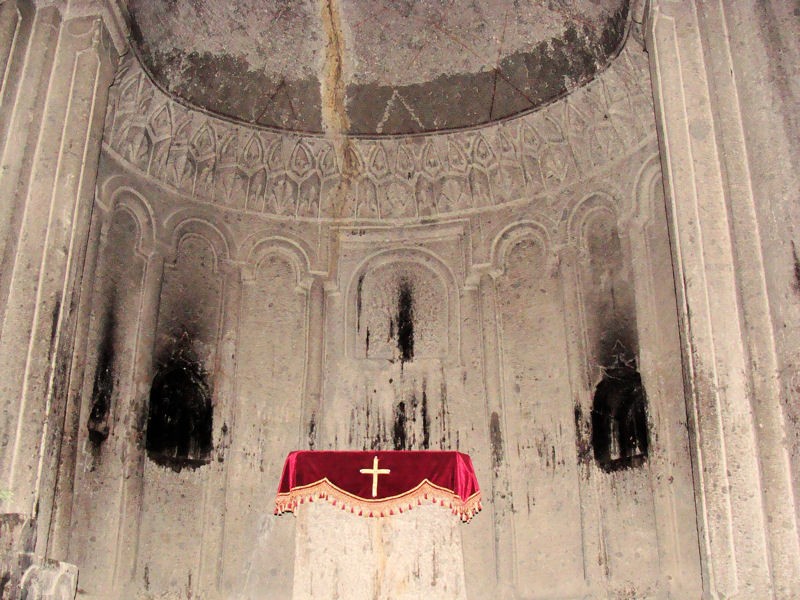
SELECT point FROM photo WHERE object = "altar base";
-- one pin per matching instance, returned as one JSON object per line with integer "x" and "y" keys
{"x": 415, "y": 555}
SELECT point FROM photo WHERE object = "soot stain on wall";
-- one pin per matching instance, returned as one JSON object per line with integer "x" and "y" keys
{"x": 426, "y": 420}
{"x": 445, "y": 441}
{"x": 496, "y": 440}
{"x": 312, "y": 431}
{"x": 103, "y": 387}
{"x": 399, "y": 437}
{"x": 54, "y": 319}
{"x": 359, "y": 301}
{"x": 618, "y": 336}
{"x": 405, "y": 320}
{"x": 180, "y": 414}
{"x": 583, "y": 446}
{"x": 619, "y": 433}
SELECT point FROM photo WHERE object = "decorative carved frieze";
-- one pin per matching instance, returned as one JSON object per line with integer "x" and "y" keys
{"x": 392, "y": 178}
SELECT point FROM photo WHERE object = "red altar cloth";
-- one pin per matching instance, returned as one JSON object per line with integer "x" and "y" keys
{"x": 414, "y": 478}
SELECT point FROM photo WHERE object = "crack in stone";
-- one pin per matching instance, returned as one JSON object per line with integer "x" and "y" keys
{"x": 335, "y": 121}
{"x": 334, "y": 114}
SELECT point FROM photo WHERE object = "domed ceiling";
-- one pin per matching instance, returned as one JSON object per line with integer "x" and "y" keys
{"x": 378, "y": 67}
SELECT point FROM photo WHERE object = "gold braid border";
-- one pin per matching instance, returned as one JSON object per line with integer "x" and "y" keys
{"x": 424, "y": 492}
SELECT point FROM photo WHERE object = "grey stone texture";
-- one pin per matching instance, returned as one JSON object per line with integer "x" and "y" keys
{"x": 525, "y": 290}
{"x": 404, "y": 64}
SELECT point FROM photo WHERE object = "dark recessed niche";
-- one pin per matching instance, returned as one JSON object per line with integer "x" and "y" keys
{"x": 180, "y": 415}
{"x": 619, "y": 420}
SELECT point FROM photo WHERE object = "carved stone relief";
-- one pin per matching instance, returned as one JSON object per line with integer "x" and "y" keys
{"x": 465, "y": 309}
{"x": 286, "y": 175}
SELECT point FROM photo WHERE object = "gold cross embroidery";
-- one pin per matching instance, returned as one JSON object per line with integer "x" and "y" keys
{"x": 375, "y": 471}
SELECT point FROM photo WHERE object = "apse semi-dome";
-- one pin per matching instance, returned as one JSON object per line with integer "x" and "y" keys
{"x": 398, "y": 66}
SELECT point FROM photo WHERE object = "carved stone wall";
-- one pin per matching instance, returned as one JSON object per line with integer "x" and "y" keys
{"x": 184, "y": 299}
{"x": 403, "y": 178}
{"x": 57, "y": 62}
{"x": 469, "y": 295}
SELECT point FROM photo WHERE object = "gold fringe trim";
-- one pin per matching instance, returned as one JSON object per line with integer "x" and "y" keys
{"x": 424, "y": 493}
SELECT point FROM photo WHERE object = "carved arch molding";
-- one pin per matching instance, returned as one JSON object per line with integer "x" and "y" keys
{"x": 259, "y": 171}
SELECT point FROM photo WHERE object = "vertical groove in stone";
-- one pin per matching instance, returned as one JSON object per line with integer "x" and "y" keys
{"x": 314, "y": 365}
{"x": 132, "y": 488}
{"x": 225, "y": 384}
{"x": 59, "y": 540}
{"x": 61, "y": 219}
{"x": 503, "y": 506}
{"x": 595, "y": 555}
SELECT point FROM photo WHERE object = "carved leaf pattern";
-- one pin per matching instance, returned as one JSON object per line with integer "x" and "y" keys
{"x": 426, "y": 196}
{"x": 160, "y": 124}
{"x": 301, "y": 162}
{"x": 405, "y": 161}
{"x": 282, "y": 196}
{"x": 308, "y": 197}
{"x": 253, "y": 152}
{"x": 380, "y": 165}
{"x": 531, "y": 156}
{"x": 430, "y": 161}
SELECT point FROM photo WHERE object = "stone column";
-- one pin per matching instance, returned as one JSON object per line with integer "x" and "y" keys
{"x": 211, "y": 559}
{"x": 646, "y": 249}
{"x": 50, "y": 189}
{"x": 502, "y": 501}
{"x": 312, "y": 398}
{"x": 594, "y": 551}
{"x": 21, "y": 28}
{"x": 333, "y": 329}
{"x": 14, "y": 26}
{"x": 749, "y": 534}
{"x": 58, "y": 544}
{"x": 132, "y": 483}
{"x": 27, "y": 52}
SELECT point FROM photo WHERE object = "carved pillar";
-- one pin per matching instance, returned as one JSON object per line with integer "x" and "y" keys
{"x": 749, "y": 535}
{"x": 58, "y": 545}
{"x": 22, "y": 28}
{"x": 132, "y": 484}
{"x": 14, "y": 16}
{"x": 51, "y": 189}
{"x": 594, "y": 551}
{"x": 312, "y": 409}
{"x": 646, "y": 247}
{"x": 225, "y": 386}
{"x": 333, "y": 329}
{"x": 502, "y": 502}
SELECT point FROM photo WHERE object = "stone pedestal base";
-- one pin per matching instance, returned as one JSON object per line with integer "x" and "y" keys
{"x": 415, "y": 555}
{"x": 25, "y": 575}
{"x": 49, "y": 580}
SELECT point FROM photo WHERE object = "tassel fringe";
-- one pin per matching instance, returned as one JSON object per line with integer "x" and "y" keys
{"x": 383, "y": 507}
